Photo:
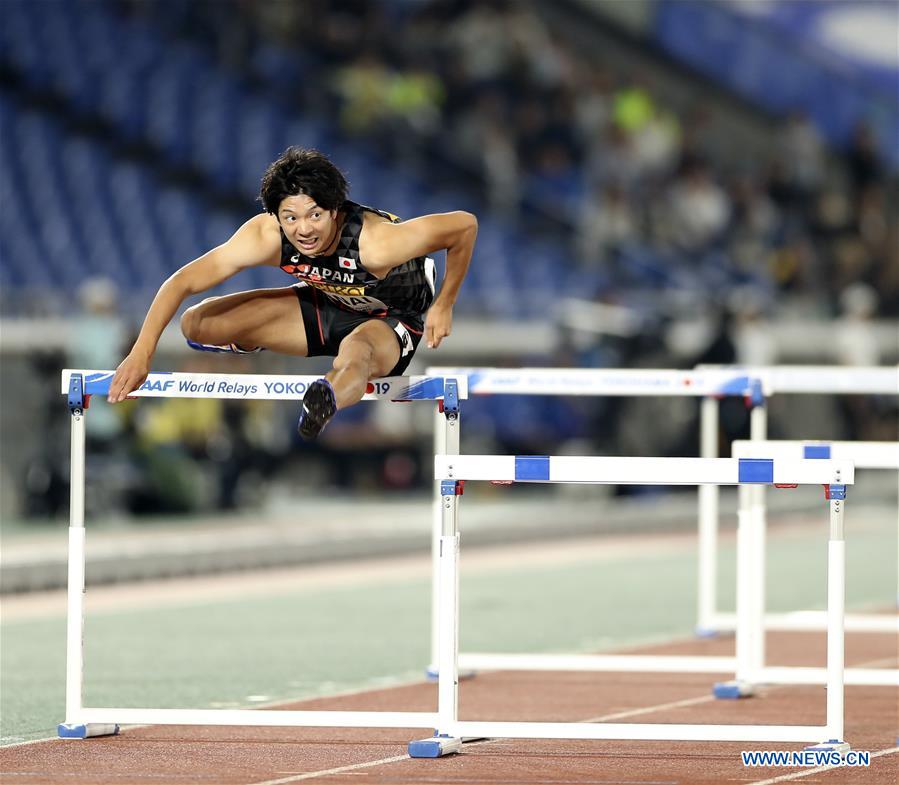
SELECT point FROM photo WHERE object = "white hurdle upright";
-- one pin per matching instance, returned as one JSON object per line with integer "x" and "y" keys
{"x": 775, "y": 380}
{"x": 79, "y": 385}
{"x": 708, "y": 384}
{"x": 751, "y": 620}
{"x": 451, "y": 469}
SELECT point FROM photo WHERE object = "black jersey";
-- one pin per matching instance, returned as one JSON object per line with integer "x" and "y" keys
{"x": 343, "y": 279}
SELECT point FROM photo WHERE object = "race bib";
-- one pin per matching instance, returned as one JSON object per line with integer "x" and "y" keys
{"x": 361, "y": 303}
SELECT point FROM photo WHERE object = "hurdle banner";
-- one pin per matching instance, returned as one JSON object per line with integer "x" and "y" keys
{"x": 775, "y": 380}
{"x": 83, "y": 722}
{"x": 751, "y": 621}
{"x": 264, "y": 387}
{"x": 708, "y": 384}
{"x": 452, "y": 470}
{"x": 608, "y": 382}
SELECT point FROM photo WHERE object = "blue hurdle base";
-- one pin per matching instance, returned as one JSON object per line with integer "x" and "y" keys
{"x": 432, "y": 674}
{"x": 81, "y": 731}
{"x": 733, "y": 690}
{"x": 833, "y": 745}
{"x": 706, "y": 632}
{"x": 435, "y": 747}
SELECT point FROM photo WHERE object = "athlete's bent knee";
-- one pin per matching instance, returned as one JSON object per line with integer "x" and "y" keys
{"x": 355, "y": 351}
{"x": 190, "y": 323}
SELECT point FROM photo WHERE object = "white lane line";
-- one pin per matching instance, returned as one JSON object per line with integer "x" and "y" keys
{"x": 652, "y": 709}
{"x": 817, "y": 770}
{"x": 339, "y": 770}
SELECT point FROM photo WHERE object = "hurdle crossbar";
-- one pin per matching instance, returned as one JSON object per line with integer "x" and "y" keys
{"x": 261, "y": 387}
{"x": 452, "y": 470}
{"x": 775, "y": 380}
{"x": 707, "y": 384}
{"x": 606, "y": 382}
{"x": 751, "y": 620}
{"x": 635, "y": 471}
{"x": 79, "y": 386}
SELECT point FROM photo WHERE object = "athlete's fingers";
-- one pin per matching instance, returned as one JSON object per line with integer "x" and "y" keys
{"x": 113, "y": 394}
{"x": 122, "y": 384}
{"x": 439, "y": 335}
{"x": 115, "y": 390}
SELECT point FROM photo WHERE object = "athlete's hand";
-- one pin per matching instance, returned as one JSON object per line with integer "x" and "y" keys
{"x": 131, "y": 374}
{"x": 438, "y": 324}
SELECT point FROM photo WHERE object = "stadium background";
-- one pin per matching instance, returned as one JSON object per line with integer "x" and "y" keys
{"x": 658, "y": 184}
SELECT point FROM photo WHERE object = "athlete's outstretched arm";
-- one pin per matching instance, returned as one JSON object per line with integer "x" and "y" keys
{"x": 257, "y": 242}
{"x": 390, "y": 245}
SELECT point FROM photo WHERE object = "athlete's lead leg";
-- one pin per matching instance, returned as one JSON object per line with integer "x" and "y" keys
{"x": 266, "y": 318}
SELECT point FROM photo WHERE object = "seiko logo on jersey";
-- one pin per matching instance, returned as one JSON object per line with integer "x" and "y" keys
{"x": 314, "y": 273}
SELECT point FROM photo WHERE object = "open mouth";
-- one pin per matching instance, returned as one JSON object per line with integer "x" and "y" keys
{"x": 307, "y": 245}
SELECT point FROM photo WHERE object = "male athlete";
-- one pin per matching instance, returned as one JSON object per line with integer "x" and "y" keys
{"x": 365, "y": 285}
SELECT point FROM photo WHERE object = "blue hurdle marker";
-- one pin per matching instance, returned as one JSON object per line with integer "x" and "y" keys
{"x": 452, "y": 470}
{"x": 78, "y": 385}
{"x": 775, "y": 380}
{"x": 709, "y": 385}
{"x": 751, "y": 620}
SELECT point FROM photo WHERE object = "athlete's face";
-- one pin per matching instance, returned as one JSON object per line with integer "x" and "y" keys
{"x": 309, "y": 228}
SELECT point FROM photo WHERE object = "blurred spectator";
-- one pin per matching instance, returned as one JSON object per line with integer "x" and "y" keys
{"x": 857, "y": 342}
{"x": 657, "y": 145}
{"x": 607, "y": 224}
{"x": 484, "y": 136}
{"x": 593, "y": 110}
{"x": 97, "y": 340}
{"x": 803, "y": 154}
{"x": 363, "y": 86}
{"x": 699, "y": 209}
{"x": 864, "y": 161}
{"x": 613, "y": 160}
{"x": 633, "y": 108}
{"x": 754, "y": 221}
{"x": 415, "y": 96}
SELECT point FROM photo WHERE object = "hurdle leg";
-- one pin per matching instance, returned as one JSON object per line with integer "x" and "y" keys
{"x": 757, "y": 579}
{"x": 73, "y": 727}
{"x": 741, "y": 686}
{"x": 444, "y": 742}
{"x": 447, "y": 425}
{"x": 707, "y": 600}
{"x": 758, "y": 431}
{"x": 436, "y": 531}
{"x": 836, "y": 608}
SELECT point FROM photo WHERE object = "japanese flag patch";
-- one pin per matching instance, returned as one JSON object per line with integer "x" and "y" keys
{"x": 346, "y": 263}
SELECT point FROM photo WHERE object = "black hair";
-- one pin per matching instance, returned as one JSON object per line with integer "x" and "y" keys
{"x": 300, "y": 171}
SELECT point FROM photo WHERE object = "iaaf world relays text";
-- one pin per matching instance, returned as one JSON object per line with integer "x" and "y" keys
{"x": 234, "y": 388}
{"x": 224, "y": 387}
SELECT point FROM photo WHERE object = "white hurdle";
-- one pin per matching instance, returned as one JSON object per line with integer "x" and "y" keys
{"x": 708, "y": 384}
{"x": 451, "y": 469}
{"x": 79, "y": 386}
{"x": 775, "y": 380}
{"x": 751, "y": 620}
